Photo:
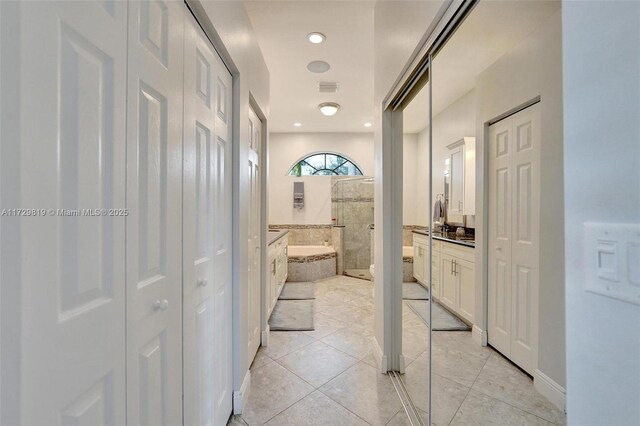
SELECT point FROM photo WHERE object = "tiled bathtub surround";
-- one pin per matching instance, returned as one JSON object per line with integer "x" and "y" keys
{"x": 306, "y": 235}
{"x": 407, "y": 255}
{"x": 310, "y": 267}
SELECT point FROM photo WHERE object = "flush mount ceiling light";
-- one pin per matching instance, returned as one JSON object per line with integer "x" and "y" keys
{"x": 318, "y": 67}
{"x": 329, "y": 108}
{"x": 297, "y": 124}
{"x": 368, "y": 124}
{"x": 316, "y": 38}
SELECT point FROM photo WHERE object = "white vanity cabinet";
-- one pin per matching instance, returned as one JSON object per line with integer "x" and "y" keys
{"x": 462, "y": 175}
{"x": 278, "y": 270}
{"x": 421, "y": 259}
{"x": 453, "y": 274}
{"x": 458, "y": 290}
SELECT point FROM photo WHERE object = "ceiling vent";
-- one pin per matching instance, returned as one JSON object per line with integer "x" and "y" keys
{"x": 328, "y": 87}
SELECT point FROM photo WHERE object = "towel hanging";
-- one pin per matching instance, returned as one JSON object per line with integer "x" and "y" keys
{"x": 438, "y": 211}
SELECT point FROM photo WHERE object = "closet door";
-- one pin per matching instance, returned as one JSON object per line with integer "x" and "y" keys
{"x": 255, "y": 139}
{"x": 206, "y": 225}
{"x": 525, "y": 246}
{"x": 514, "y": 218}
{"x": 154, "y": 225}
{"x": 64, "y": 296}
{"x": 499, "y": 246}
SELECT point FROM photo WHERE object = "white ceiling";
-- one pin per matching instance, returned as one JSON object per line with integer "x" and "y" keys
{"x": 492, "y": 29}
{"x": 282, "y": 28}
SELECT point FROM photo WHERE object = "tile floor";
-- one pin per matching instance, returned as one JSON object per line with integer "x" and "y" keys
{"x": 329, "y": 376}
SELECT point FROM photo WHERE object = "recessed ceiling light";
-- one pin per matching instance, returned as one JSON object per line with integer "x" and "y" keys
{"x": 316, "y": 38}
{"x": 318, "y": 66}
{"x": 329, "y": 108}
{"x": 368, "y": 124}
{"x": 297, "y": 124}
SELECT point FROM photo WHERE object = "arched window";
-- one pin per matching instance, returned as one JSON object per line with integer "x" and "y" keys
{"x": 325, "y": 164}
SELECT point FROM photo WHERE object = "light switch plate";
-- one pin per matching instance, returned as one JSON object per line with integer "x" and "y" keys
{"x": 612, "y": 260}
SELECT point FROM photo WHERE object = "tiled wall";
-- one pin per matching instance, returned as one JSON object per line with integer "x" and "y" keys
{"x": 307, "y": 235}
{"x": 337, "y": 238}
{"x": 352, "y": 206}
{"x": 407, "y": 233}
{"x": 407, "y": 240}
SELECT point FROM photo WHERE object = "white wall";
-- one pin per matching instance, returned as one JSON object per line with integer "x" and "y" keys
{"x": 236, "y": 42}
{"x": 285, "y": 149}
{"x": 533, "y": 68}
{"x": 602, "y": 184}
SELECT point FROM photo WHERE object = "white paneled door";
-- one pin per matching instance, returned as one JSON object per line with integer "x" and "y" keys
{"x": 513, "y": 243}
{"x": 154, "y": 225}
{"x": 207, "y": 232}
{"x": 64, "y": 297}
{"x": 255, "y": 142}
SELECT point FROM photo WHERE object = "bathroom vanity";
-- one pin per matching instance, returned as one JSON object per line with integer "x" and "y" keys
{"x": 278, "y": 267}
{"x": 453, "y": 271}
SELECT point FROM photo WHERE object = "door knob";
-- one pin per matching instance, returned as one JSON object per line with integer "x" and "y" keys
{"x": 161, "y": 305}
{"x": 202, "y": 282}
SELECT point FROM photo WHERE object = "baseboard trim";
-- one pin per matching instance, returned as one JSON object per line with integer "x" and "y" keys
{"x": 479, "y": 335}
{"x": 240, "y": 397}
{"x": 264, "y": 337}
{"x": 551, "y": 390}
{"x": 402, "y": 364}
{"x": 381, "y": 358}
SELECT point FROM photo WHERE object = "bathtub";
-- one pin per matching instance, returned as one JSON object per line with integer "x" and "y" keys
{"x": 311, "y": 263}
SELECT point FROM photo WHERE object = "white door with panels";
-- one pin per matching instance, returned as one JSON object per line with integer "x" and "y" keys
{"x": 207, "y": 232}
{"x": 154, "y": 225}
{"x": 513, "y": 243}
{"x": 254, "y": 232}
{"x": 65, "y": 298}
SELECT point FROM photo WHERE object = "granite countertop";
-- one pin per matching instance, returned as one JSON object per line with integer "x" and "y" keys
{"x": 449, "y": 237}
{"x": 275, "y": 235}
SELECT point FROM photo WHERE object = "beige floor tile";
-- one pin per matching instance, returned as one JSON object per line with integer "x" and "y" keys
{"x": 261, "y": 358}
{"x": 462, "y": 341}
{"x": 366, "y": 392}
{"x": 317, "y": 363}
{"x": 316, "y": 409}
{"x": 482, "y": 410}
{"x": 354, "y": 342}
{"x": 236, "y": 420}
{"x": 414, "y": 343}
{"x": 282, "y": 343}
{"x": 447, "y": 395}
{"x": 273, "y": 389}
{"x": 401, "y": 419}
{"x": 456, "y": 365}
{"x": 324, "y": 325}
{"x": 502, "y": 380}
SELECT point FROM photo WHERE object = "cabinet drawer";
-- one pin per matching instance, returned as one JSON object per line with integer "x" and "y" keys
{"x": 458, "y": 251}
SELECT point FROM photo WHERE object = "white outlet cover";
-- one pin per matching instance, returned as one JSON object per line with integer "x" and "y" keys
{"x": 612, "y": 260}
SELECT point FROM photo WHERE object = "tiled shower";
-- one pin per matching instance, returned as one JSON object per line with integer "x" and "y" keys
{"x": 352, "y": 207}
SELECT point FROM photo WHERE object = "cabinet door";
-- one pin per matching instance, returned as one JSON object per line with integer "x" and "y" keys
{"x": 435, "y": 277}
{"x": 456, "y": 184}
{"x": 449, "y": 282}
{"x": 464, "y": 272}
{"x": 418, "y": 263}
